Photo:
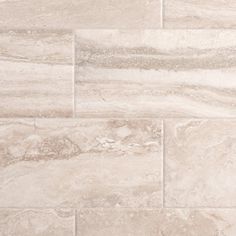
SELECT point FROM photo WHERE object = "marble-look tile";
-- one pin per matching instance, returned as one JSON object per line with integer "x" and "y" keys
{"x": 36, "y": 222}
{"x": 80, "y": 14}
{"x": 165, "y": 222}
{"x": 200, "y": 163}
{"x": 36, "y": 73}
{"x": 199, "y": 14}
{"x": 80, "y": 163}
{"x": 155, "y": 73}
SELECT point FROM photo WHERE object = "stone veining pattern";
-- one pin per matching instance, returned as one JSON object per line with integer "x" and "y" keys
{"x": 117, "y": 118}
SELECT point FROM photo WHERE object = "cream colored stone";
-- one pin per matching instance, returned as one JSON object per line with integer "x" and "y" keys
{"x": 200, "y": 163}
{"x": 165, "y": 222}
{"x": 32, "y": 222}
{"x": 199, "y": 14}
{"x": 155, "y": 73}
{"x": 80, "y": 163}
{"x": 74, "y": 14}
{"x": 36, "y": 73}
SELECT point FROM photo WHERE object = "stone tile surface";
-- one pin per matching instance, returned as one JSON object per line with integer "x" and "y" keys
{"x": 200, "y": 163}
{"x": 80, "y": 163}
{"x": 165, "y": 222}
{"x": 36, "y": 222}
{"x": 74, "y": 14}
{"x": 36, "y": 73}
{"x": 199, "y": 14}
{"x": 155, "y": 73}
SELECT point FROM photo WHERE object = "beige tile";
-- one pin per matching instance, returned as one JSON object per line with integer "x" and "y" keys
{"x": 155, "y": 73}
{"x": 199, "y": 14}
{"x": 32, "y": 222}
{"x": 178, "y": 222}
{"x": 200, "y": 163}
{"x": 80, "y": 13}
{"x": 36, "y": 73}
{"x": 80, "y": 163}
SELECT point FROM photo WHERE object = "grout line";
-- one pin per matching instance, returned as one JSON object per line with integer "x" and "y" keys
{"x": 162, "y": 13}
{"x": 75, "y": 228}
{"x": 73, "y": 76}
{"x": 202, "y": 208}
{"x": 163, "y": 163}
{"x": 120, "y": 118}
{"x": 119, "y": 209}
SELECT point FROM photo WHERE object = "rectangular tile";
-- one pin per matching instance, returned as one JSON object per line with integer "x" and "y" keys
{"x": 165, "y": 222}
{"x": 80, "y": 14}
{"x": 32, "y": 222}
{"x": 199, "y": 14}
{"x": 80, "y": 163}
{"x": 36, "y": 73}
{"x": 200, "y": 163}
{"x": 155, "y": 73}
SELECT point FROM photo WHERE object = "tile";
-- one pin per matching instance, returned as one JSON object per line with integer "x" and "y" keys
{"x": 80, "y": 163}
{"x": 165, "y": 222}
{"x": 36, "y": 73}
{"x": 80, "y": 14}
{"x": 199, "y": 14}
{"x": 200, "y": 163}
{"x": 155, "y": 73}
{"x": 32, "y": 222}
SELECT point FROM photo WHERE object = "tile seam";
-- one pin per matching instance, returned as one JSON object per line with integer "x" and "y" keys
{"x": 162, "y": 13}
{"x": 117, "y": 209}
{"x": 73, "y": 76}
{"x": 75, "y": 226}
{"x": 119, "y": 118}
{"x": 163, "y": 163}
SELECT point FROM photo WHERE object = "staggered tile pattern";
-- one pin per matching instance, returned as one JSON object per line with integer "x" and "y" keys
{"x": 117, "y": 118}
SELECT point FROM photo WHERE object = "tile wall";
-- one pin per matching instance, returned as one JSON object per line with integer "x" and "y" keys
{"x": 117, "y": 117}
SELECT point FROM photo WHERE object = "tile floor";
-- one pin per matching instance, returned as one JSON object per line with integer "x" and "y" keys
{"x": 117, "y": 117}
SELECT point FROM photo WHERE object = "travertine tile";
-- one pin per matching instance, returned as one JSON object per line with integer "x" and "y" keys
{"x": 156, "y": 73}
{"x": 199, "y": 14}
{"x": 200, "y": 163}
{"x": 32, "y": 222}
{"x": 36, "y": 73}
{"x": 80, "y": 13}
{"x": 80, "y": 163}
{"x": 178, "y": 222}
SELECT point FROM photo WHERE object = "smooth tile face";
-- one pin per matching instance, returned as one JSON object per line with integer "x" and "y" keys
{"x": 80, "y": 163}
{"x": 200, "y": 163}
{"x": 36, "y": 73}
{"x": 31, "y": 222}
{"x": 155, "y": 73}
{"x": 80, "y": 14}
{"x": 199, "y": 14}
{"x": 182, "y": 222}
